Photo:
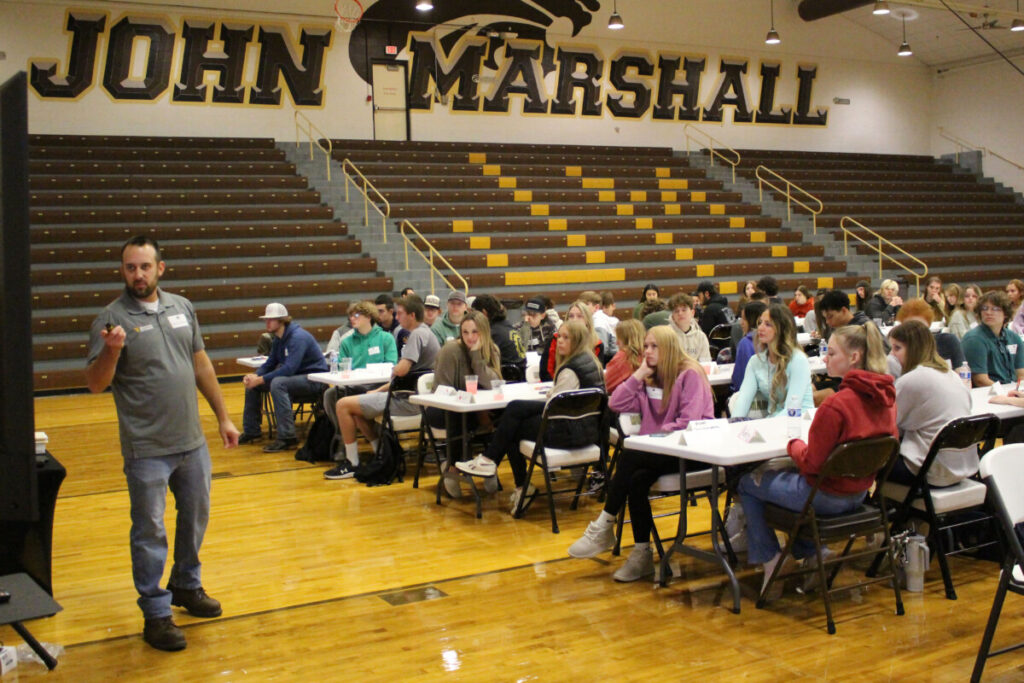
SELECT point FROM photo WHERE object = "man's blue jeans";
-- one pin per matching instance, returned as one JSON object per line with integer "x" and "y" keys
{"x": 283, "y": 391}
{"x": 188, "y": 476}
{"x": 788, "y": 489}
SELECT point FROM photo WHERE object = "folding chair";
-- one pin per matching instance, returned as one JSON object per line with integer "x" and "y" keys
{"x": 403, "y": 387}
{"x": 583, "y": 404}
{"x": 666, "y": 486}
{"x": 920, "y": 501}
{"x": 425, "y": 385}
{"x": 513, "y": 372}
{"x": 719, "y": 338}
{"x": 854, "y": 459}
{"x": 1003, "y": 472}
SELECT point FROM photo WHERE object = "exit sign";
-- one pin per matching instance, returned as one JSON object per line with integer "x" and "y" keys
{"x": 391, "y": 49}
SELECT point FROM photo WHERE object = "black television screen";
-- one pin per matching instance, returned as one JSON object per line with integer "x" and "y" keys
{"x": 18, "y": 487}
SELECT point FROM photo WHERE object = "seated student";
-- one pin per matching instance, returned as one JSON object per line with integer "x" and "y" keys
{"x": 835, "y": 311}
{"x": 714, "y": 308}
{"x": 928, "y": 395}
{"x": 650, "y": 293}
{"x": 965, "y": 316}
{"x": 507, "y": 339}
{"x": 605, "y": 333}
{"x": 447, "y": 326}
{"x": 778, "y": 373}
{"x": 864, "y": 407}
{"x": 994, "y": 351}
{"x": 745, "y": 350}
{"x": 668, "y": 389}
{"x": 770, "y": 287}
{"x": 418, "y": 355}
{"x": 630, "y": 337}
{"x": 736, "y": 333}
{"x": 654, "y": 312}
{"x": 749, "y": 287}
{"x": 577, "y": 368}
{"x": 606, "y": 316}
{"x": 884, "y": 303}
{"x": 954, "y": 294}
{"x": 1015, "y": 291}
{"x": 934, "y": 297}
{"x": 861, "y": 295}
{"x": 947, "y": 344}
{"x": 814, "y": 322}
{"x": 548, "y": 360}
{"x": 535, "y": 331}
{"x": 293, "y": 355}
{"x": 802, "y": 302}
{"x": 682, "y": 322}
{"x": 431, "y": 310}
{"x": 366, "y": 343}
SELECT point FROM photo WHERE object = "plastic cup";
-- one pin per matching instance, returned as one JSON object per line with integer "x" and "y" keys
{"x": 471, "y": 383}
{"x": 345, "y": 367}
{"x": 498, "y": 386}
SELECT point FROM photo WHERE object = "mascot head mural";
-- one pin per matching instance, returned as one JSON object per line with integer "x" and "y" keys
{"x": 389, "y": 22}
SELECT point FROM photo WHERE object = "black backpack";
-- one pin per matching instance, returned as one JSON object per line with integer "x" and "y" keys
{"x": 318, "y": 442}
{"x": 387, "y": 465}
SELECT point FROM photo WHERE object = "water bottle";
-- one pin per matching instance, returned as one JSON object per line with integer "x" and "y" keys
{"x": 794, "y": 417}
{"x": 822, "y": 349}
{"x": 965, "y": 374}
{"x": 332, "y": 360}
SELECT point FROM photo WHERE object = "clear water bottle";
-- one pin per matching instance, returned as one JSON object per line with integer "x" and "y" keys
{"x": 794, "y": 418}
{"x": 332, "y": 361}
{"x": 823, "y": 349}
{"x": 965, "y": 374}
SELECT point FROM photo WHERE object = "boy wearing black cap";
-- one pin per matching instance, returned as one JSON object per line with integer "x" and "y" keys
{"x": 536, "y": 330}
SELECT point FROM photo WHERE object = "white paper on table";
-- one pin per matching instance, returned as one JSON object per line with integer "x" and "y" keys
{"x": 700, "y": 425}
{"x": 444, "y": 390}
{"x": 749, "y": 434}
{"x": 465, "y": 397}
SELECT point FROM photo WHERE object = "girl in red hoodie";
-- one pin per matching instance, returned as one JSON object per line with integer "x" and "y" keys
{"x": 863, "y": 407}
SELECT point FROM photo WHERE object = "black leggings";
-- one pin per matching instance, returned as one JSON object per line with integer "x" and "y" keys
{"x": 521, "y": 420}
{"x": 635, "y": 473}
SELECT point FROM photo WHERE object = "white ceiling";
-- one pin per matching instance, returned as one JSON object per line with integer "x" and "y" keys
{"x": 938, "y": 38}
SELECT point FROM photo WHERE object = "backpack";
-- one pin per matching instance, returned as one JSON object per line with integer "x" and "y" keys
{"x": 318, "y": 442}
{"x": 387, "y": 465}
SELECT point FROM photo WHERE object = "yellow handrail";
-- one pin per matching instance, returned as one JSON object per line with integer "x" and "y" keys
{"x": 309, "y": 130}
{"x": 711, "y": 142}
{"x": 365, "y": 190}
{"x": 430, "y": 260}
{"x": 790, "y": 198}
{"x": 963, "y": 144}
{"x": 878, "y": 249}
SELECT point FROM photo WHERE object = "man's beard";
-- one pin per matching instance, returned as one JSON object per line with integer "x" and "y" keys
{"x": 144, "y": 294}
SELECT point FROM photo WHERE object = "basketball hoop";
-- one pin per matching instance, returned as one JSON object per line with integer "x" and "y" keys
{"x": 349, "y": 13}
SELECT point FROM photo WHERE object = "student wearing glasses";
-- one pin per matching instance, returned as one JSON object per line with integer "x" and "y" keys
{"x": 994, "y": 351}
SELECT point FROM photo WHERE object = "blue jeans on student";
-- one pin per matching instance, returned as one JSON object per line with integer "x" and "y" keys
{"x": 283, "y": 391}
{"x": 188, "y": 476}
{"x": 788, "y": 489}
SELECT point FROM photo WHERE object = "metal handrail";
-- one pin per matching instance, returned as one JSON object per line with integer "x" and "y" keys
{"x": 367, "y": 203}
{"x": 963, "y": 144}
{"x": 878, "y": 249}
{"x": 711, "y": 142}
{"x": 309, "y": 130}
{"x": 430, "y": 260}
{"x": 790, "y": 198}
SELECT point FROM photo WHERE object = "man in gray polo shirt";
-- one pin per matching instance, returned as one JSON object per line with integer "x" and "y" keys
{"x": 147, "y": 347}
{"x": 418, "y": 355}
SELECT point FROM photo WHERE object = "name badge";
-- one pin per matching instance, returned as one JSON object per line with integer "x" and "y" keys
{"x": 1012, "y": 348}
{"x": 373, "y": 351}
{"x": 144, "y": 328}
{"x": 177, "y": 320}
{"x": 654, "y": 393}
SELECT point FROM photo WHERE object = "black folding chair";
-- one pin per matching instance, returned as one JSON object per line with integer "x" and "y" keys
{"x": 920, "y": 501}
{"x": 719, "y": 338}
{"x": 1003, "y": 472}
{"x": 854, "y": 459}
{"x": 583, "y": 404}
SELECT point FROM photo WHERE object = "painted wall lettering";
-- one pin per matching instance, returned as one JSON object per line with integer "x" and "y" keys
{"x": 159, "y": 41}
{"x": 85, "y": 31}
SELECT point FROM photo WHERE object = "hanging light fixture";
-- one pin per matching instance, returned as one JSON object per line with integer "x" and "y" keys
{"x": 881, "y": 7}
{"x": 905, "y": 50}
{"x": 615, "y": 21}
{"x": 773, "y": 36}
{"x": 1018, "y": 24}
{"x": 424, "y": 5}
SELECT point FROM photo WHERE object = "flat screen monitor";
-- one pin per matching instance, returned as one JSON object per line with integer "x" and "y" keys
{"x": 18, "y": 485}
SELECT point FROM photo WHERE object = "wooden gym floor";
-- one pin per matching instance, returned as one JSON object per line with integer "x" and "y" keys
{"x": 332, "y": 580}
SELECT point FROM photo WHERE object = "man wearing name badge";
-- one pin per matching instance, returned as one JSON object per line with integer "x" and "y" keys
{"x": 368, "y": 343}
{"x": 293, "y": 355}
{"x": 147, "y": 347}
{"x": 447, "y": 326}
{"x": 352, "y": 412}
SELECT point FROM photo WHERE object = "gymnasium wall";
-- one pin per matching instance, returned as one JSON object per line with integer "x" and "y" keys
{"x": 141, "y": 53}
{"x": 984, "y": 105}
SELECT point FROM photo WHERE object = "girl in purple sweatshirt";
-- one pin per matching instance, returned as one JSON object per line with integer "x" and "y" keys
{"x": 668, "y": 390}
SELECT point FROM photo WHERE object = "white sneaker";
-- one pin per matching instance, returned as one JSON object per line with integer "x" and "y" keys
{"x": 639, "y": 564}
{"x": 518, "y": 493}
{"x": 478, "y": 467}
{"x": 595, "y": 540}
